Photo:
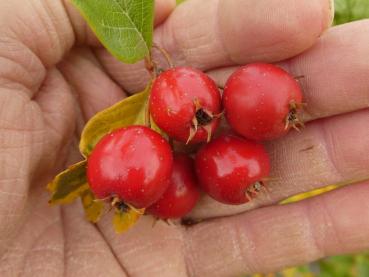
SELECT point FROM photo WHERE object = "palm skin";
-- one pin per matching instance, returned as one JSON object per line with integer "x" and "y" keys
{"x": 54, "y": 76}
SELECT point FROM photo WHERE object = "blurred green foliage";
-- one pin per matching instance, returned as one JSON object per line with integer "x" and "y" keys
{"x": 350, "y": 10}
{"x": 345, "y": 266}
{"x": 337, "y": 266}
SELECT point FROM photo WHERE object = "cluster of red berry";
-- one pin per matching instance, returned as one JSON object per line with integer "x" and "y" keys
{"x": 135, "y": 166}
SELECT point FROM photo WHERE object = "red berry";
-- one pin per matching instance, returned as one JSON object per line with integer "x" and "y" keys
{"x": 184, "y": 103}
{"x": 231, "y": 169}
{"x": 182, "y": 194}
{"x": 261, "y": 101}
{"x": 133, "y": 164}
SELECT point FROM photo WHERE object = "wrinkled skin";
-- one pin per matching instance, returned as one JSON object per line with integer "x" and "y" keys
{"x": 54, "y": 76}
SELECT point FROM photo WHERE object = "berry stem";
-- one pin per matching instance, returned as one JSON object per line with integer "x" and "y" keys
{"x": 187, "y": 222}
{"x": 150, "y": 67}
{"x": 165, "y": 54}
{"x": 299, "y": 77}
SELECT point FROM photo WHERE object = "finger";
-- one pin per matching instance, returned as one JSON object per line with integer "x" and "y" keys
{"x": 163, "y": 9}
{"x": 57, "y": 117}
{"x": 148, "y": 249}
{"x": 208, "y": 34}
{"x": 87, "y": 253}
{"x": 328, "y": 90}
{"x": 93, "y": 89}
{"x": 272, "y": 238}
{"x": 326, "y": 152}
{"x": 334, "y": 72}
{"x": 32, "y": 137}
{"x": 39, "y": 235}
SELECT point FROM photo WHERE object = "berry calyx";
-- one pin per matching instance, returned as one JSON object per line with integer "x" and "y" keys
{"x": 182, "y": 194}
{"x": 262, "y": 101}
{"x": 123, "y": 207}
{"x": 186, "y": 104}
{"x": 231, "y": 169}
{"x": 132, "y": 165}
{"x": 292, "y": 119}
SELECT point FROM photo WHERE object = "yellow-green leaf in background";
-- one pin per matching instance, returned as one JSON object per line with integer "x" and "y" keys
{"x": 69, "y": 184}
{"x": 93, "y": 209}
{"x": 324, "y": 189}
{"x": 308, "y": 194}
{"x": 129, "y": 111}
{"x": 124, "y": 27}
{"x": 350, "y": 10}
{"x": 125, "y": 218}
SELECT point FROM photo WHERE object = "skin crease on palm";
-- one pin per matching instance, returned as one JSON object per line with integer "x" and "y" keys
{"x": 54, "y": 76}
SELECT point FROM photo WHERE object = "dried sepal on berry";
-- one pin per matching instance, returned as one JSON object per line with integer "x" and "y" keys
{"x": 253, "y": 190}
{"x": 202, "y": 119}
{"x": 293, "y": 119}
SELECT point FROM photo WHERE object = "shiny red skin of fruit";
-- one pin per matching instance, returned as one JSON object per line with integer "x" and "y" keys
{"x": 257, "y": 99}
{"x": 182, "y": 194}
{"x": 172, "y": 102}
{"x": 227, "y": 166}
{"x": 132, "y": 163}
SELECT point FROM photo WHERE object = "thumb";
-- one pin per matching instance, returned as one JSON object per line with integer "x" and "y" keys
{"x": 50, "y": 28}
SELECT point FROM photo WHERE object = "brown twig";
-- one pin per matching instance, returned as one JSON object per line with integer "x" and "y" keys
{"x": 151, "y": 66}
{"x": 165, "y": 54}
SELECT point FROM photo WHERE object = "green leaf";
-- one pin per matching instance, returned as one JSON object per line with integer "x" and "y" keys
{"x": 123, "y": 220}
{"x": 129, "y": 111}
{"x": 68, "y": 185}
{"x": 93, "y": 209}
{"x": 124, "y": 27}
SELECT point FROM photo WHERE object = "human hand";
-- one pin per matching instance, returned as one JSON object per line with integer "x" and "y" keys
{"x": 36, "y": 140}
{"x": 51, "y": 83}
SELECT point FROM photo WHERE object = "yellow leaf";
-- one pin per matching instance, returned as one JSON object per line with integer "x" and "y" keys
{"x": 123, "y": 220}
{"x": 129, "y": 111}
{"x": 294, "y": 272}
{"x": 69, "y": 184}
{"x": 156, "y": 128}
{"x": 93, "y": 209}
{"x": 308, "y": 194}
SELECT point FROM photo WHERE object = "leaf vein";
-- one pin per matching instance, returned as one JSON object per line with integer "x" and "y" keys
{"x": 132, "y": 22}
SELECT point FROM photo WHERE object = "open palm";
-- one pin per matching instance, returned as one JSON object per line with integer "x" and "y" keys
{"x": 54, "y": 76}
